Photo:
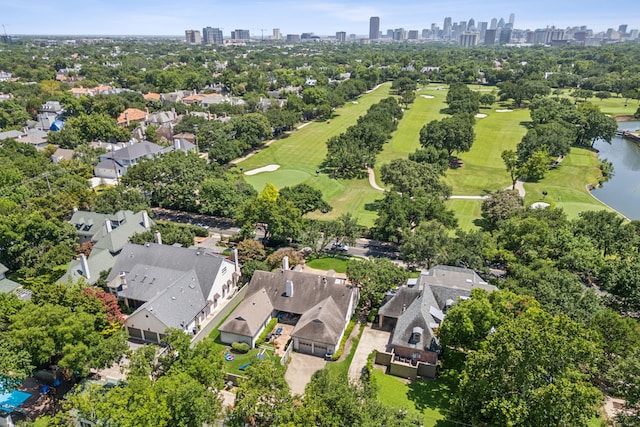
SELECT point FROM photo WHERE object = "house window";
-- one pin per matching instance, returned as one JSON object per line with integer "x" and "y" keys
{"x": 416, "y": 335}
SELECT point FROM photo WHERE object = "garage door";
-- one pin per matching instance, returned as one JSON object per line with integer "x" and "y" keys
{"x": 304, "y": 347}
{"x": 150, "y": 336}
{"x": 135, "y": 333}
{"x": 320, "y": 350}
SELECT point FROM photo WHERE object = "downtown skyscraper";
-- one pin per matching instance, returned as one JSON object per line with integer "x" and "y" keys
{"x": 374, "y": 28}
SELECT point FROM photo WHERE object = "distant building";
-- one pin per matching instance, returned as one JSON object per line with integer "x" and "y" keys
{"x": 505, "y": 35}
{"x": 341, "y": 36}
{"x": 374, "y": 28}
{"x": 413, "y": 35}
{"x": 192, "y": 37}
{"x": 490, "y": 37}
{"x": 293, "y": 38}
{"x": 211, "y": 36}
{"x": 240, "y": 35}
{"x": 468, "y": 39}
{"x": 276, "y": 34}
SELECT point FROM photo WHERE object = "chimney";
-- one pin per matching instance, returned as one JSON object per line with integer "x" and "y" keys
{"x": 158, "y": 237}
{"x": 123, "y": 280}
{"x": 84, "y": 265}
{"x": 285, "y": 263}
{"x": 288, "y": 288}
{"x": 108, "y": 226}
{"x": 146, "y": 223}
{"x": 234, "y": 253}
{"x": 126, "y": 117}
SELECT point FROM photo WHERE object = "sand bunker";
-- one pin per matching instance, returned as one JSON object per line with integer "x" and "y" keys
{"x": 354, "y": 102}
{"x": 427, "y": 96}
{"x": 503, "y": 111}
{"x": 268, "y": 168}
{"x": 539, "y": 205}
{"x": 480, "y": 116}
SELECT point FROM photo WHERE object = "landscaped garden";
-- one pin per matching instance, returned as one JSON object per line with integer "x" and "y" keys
{"x": 339, "y": 265}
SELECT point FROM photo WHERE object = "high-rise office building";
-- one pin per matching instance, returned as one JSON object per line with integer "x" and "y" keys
{"x": 471, "y": 24}
{"x": 490, "y": 37}
{"x": 398, "y": 34}
{"x": 494, "y": 24}
{"x": 622, "y": 29}
{"x": 501, "y": 23}
{"x": 374, "y": 28}
{"x": 482, "y": 29}
{"x": 505, "y": 35}
{"x": 212, "y": 36}
{"x": 468, "y": 39}
{"x": 240, "y": 35}
{"x": 413, "y": 35}
{"x": 512, "y": 19}
{"x": 293, "y": 38}
{"x": 446, "y": 28}
{"x": 341, "y": 36}
{"x": 276, "y": 34}
{"x": 192, "y": 36}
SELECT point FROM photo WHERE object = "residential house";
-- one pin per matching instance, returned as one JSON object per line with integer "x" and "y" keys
{"x": 319, "y": 306}
{"x": 173, "y": 97}
{"x": 131, "y": 115}
{"x": 48, "y": 114}
{"x": 5, "y": 96}
{"x": 108, "y": 234}
{"x": 151, "y": 96}
{"x": 62, "y": 154}
{"x": 414, "y": 311}
{"x": 115, "y": 163}
{"x": 35, "y": 137}
{"x": 169, "y": 287}
{"x": 6, "y": 285}
{"x": 5, "y": 76}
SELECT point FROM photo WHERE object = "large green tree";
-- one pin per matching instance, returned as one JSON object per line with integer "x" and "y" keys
{"x": 533, "y": 370}
{"x": 454, "y": 134}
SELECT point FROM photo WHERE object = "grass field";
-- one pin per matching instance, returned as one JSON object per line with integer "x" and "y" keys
{"x": 300, "y": 154}
{"x": 338, "y": 265}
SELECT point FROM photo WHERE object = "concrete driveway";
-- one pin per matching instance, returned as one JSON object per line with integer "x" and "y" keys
{"x": 300, "y": 369}
{"x": 371, "y": 339}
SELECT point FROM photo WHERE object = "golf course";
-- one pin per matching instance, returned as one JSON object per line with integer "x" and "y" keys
{"x": 295, "y": 158}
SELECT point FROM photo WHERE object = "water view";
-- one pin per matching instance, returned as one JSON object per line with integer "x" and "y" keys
{"x": 622, "y": 191}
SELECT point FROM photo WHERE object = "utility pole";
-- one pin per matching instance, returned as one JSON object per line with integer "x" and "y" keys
{"x": 6, "y": 37}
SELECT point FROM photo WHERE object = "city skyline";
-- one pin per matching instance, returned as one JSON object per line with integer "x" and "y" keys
{"x": 163, "y": 17}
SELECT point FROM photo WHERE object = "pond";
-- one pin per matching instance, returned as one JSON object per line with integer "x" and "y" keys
{"x": 622, "y": 191}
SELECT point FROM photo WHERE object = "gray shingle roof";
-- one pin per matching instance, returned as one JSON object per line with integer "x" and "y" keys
{"x": 165, "y": 263}
{"x": 439, "y": 285}
{"x": 323, "y": 302}
{"x": 249, "y": 316}
{"x": 322, "y": 323}
{"x": 174, "y": 282}
{"x": 135, "y": 151}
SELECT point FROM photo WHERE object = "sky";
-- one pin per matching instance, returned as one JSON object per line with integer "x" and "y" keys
{"x": 321, "y": 17}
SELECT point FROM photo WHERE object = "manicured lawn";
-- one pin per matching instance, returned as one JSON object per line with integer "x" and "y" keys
{"x": 430, "y": 398}
{"x": 301, "y": 153}
{"x": 566, "y": 185}
{"x": 406, "y": 139}
{"x": 483, "y": 169}
{"x": 233, "y": 366}
{"x": 467, "y": 212}
{"x": 338, "y": 265}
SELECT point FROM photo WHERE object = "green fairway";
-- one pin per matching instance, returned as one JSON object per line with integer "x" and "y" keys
{"x": 300, "y": 154}
{"x": 483, "y": 169}
{"x": 467, "y": 212}
{"x": 566, "y": 185}
{"x": 406, "y": 139}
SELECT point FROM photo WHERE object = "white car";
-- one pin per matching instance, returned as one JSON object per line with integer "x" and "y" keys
{"x": 337, "y": 246}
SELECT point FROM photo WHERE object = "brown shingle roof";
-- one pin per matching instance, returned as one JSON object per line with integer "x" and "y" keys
{"x": 131, "y": 115}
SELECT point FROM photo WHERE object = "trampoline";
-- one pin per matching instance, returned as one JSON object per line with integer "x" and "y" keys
{"x": 10, "y": 401}
{"x": 228, "y": 357}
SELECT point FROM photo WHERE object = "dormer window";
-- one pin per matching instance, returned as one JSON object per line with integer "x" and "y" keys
{"x": 416, "y": 335}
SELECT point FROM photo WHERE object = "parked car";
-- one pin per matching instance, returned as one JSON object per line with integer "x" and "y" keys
{"x": 339, "y": 246}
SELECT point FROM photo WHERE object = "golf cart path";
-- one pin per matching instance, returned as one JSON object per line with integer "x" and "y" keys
{"x": 519, "y": 186}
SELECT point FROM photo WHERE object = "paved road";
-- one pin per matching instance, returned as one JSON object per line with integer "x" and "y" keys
{"x": 224, "y": 226}
{"x": 300, "y": 369}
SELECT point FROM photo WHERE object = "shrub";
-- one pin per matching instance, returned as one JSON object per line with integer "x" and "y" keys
{"x": 240, "y": 347}
{"x": 345, "y": 337}
{"x": 263, "y": 336}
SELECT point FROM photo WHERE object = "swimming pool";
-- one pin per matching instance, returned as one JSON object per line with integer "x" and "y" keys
{"x": 10, "y": 401}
